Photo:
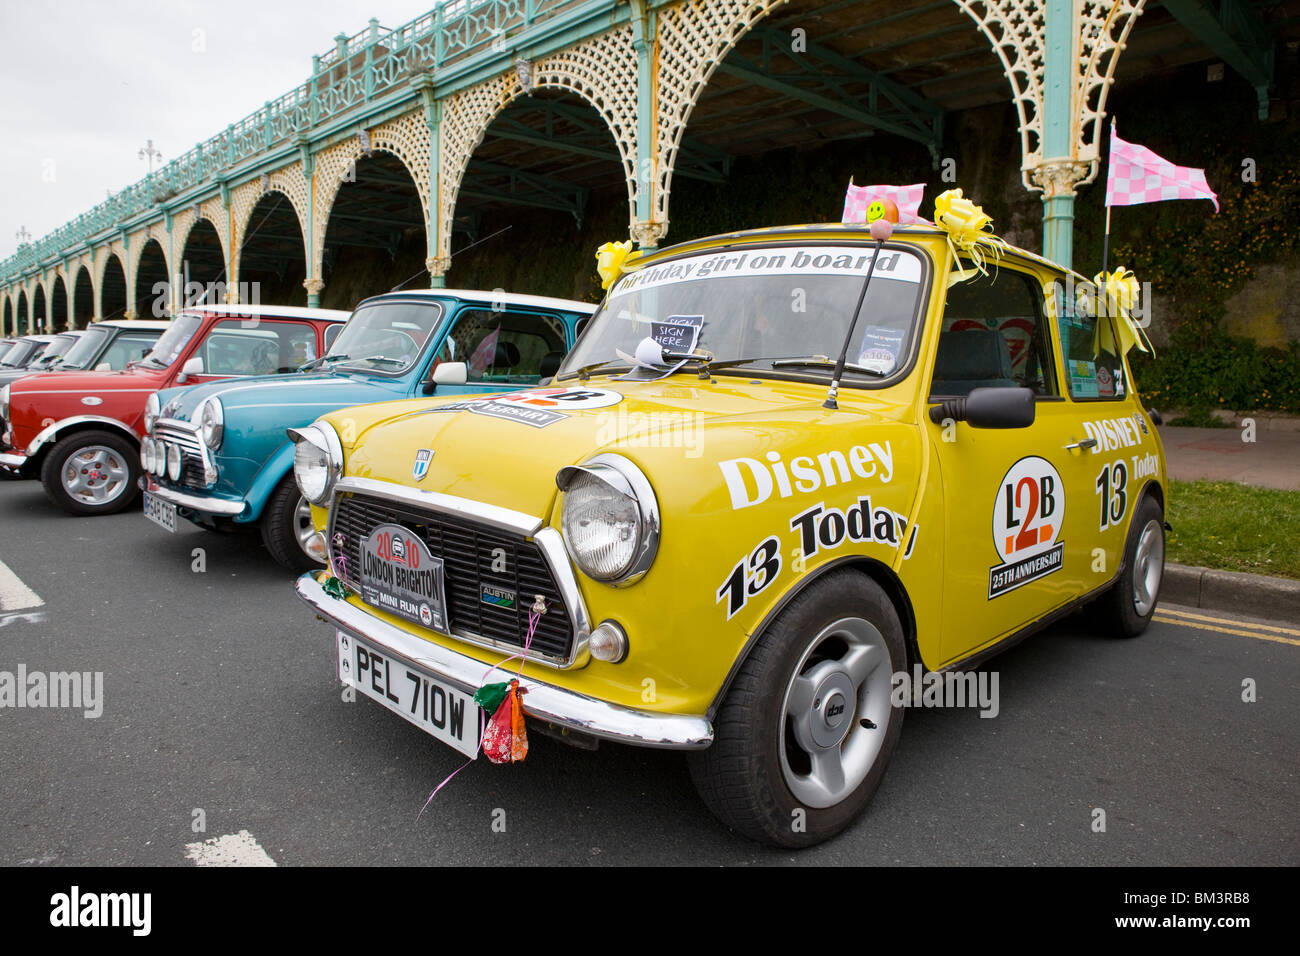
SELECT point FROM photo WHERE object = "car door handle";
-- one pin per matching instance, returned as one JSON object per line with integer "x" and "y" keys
{"x": 1085, "y": 443}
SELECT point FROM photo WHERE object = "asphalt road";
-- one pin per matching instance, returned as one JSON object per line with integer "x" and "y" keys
{"x": 219, "y": 695}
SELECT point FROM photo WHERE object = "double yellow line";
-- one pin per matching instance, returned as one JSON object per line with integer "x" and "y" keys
{"x": 1263, "y": 632}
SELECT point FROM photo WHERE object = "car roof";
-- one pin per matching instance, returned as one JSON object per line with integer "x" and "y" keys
{"x": 857, "y": 231}
{"x": 143, "y": 324}
{"x": 271, "y": 311}
{"x": 39, "y": 337}
{"x": 511, "y": 298}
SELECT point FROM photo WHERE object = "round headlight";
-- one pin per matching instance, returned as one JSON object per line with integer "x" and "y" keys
{"x": 151, "y": 410}
{"x": 210, "y": 421}
{"x": 174, "y": 462}
{"x": 317, "y": 460}
{"x": 610, "y": 519}
{"x": 146, "y": 455}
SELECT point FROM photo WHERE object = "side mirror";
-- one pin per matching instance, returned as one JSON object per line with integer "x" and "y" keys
{"x": 451, "y": 373}
{"x": 1001, "y": 407}
{"x": 192, "y": 366}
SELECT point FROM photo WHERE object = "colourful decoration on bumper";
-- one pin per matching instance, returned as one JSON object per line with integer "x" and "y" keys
{"x": 970, "y": 234}
{"x": 506, "y": 739}
{"x": 609, "y": 261}
{"x": 1119, "y": 293}
{"x": 334, "y": 588}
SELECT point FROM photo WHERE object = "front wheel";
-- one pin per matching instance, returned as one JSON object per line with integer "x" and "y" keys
{"x": 92, "y": 473}
{"x": 287, "y": 527}
{"x": 806, "y": 731}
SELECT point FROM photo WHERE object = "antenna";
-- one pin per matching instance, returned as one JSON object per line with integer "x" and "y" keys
{"x": 401, "y": 285}
{"x": 881, "y": 229}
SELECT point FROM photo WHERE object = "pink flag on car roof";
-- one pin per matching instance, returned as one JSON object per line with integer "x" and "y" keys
{"x": 486, "y": 352}
{"x": 1137, "y": 175}
{"x": 906, "y": 198}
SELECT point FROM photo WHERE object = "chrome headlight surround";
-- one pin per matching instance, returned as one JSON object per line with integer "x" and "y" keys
{"x": 152, "y": 408}
{"x": 210, "y": 420}
{"x": 4, "y": 403}
{"x": 317, "y": 460}
{"x": 606, "y": 474}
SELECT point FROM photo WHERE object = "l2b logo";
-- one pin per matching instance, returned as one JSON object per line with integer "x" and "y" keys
{"x": 1027, "y": 517}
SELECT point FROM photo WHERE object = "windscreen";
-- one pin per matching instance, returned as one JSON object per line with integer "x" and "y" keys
{"x": 764, "y": 303}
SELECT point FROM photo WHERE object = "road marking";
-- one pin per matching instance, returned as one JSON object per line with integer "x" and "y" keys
{"x": 1224, "y": 630}
{"x": 14, "y": 595}
{"x": 1226, "y": 620}
{"x": 233, "y": 849}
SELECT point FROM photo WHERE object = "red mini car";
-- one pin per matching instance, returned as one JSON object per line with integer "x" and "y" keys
{"x": 80, "y": 431}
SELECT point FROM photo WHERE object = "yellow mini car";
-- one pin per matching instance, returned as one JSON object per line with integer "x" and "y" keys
{"x": 701, "y": 535}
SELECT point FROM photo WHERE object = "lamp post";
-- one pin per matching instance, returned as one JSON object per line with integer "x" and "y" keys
{"x": 148, "y": 152}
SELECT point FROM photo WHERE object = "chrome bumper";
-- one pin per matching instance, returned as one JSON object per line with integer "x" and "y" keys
{"x": 11, "y": 460}
{"x": 564, "y": 708}
{"x": 209, "y": 506}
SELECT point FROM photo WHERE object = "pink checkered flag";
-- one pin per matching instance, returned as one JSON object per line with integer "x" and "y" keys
{"x": 1137, "y": 175}
{"x": 906, "y": 198}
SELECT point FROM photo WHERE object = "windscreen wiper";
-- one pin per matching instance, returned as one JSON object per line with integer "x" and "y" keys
{"x": 584, "y": 373}
{"x": 822, "y": 361}
{"x": 322, "y": 360}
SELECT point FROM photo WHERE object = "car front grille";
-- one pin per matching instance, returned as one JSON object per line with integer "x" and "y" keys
{"x": 469, "y": 549}
{"x": 191, "y": 454}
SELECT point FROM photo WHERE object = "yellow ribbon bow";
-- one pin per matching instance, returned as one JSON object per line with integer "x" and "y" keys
{"x": 1118, "y": 293}
{"x": 970, "y": 233}
{"x": 609, "y": 261}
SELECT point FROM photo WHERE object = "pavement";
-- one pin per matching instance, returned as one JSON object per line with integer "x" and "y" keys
{"x": 1267, "y": 457}
{"x": 1270, "y": 460}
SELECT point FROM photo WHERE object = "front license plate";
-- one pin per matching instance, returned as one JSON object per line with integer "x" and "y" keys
{"x": 400, "y": 576}
{"x": 160, "y": 512}
{"x": 432, "y": 705}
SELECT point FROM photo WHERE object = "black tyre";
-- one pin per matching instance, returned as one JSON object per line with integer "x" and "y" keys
{"x": 806, "y": 731}
{"x": 92, "y": 473}
{"x": 286, "y": 526}
{"x": 1125, "y": 610}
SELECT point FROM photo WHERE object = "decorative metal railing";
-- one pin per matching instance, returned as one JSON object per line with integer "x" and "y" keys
{"x": 359, "y": 68}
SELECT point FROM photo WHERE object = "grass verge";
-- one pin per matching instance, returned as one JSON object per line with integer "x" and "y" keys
{"x": 1232, "y": 527}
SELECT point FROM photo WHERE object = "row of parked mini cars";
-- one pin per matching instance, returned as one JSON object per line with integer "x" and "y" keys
{"x": 722, "y": 512}
{"x": 195, "y": 410}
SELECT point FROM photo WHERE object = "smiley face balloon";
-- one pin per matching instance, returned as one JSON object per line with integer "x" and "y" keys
{"x": 885, "y": 209}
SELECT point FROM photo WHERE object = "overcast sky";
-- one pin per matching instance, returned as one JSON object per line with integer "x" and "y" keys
{"x": 84, "y": 84}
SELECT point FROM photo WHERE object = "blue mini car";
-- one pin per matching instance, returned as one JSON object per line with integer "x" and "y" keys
{"x": 218, "y": 455}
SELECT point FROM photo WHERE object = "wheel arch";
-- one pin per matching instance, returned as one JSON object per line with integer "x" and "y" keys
{"x": 877, "y": 571}
{"x": 51, "y": 435}
{"x": 1156, "y": 490}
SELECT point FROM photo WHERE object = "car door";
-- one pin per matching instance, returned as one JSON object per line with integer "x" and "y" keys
{"x": 1007, "y": 500}
{"x": 1116, "y": 449}
{"x": 504, "y": 348}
